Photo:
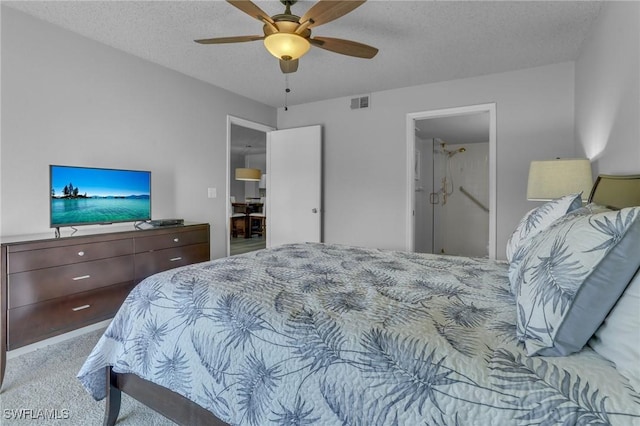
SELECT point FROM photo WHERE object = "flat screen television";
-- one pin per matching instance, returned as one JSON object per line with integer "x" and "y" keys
{"x": 89, "y": 195}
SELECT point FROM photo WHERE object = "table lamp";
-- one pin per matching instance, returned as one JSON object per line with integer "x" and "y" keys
{"x": 551, "y": 179}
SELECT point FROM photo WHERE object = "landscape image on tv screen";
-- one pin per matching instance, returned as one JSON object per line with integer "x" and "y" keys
{"x": 85, "y": 195}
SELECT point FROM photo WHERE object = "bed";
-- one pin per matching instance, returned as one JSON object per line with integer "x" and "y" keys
{"x": 328, "y": 334}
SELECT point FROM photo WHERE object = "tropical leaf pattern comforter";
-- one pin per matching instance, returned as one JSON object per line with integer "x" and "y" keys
{"x": 315, "y": 334}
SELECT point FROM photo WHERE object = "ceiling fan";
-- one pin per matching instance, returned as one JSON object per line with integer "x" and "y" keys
{"x": 288, "y": 36}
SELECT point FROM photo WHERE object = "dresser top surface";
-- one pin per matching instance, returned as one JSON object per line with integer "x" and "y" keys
{"x": 68, "y": 234}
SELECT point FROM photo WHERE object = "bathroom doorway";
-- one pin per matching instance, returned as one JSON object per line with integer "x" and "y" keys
{"x": 452, "y": 181}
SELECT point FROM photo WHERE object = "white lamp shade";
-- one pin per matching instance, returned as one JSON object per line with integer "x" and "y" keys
{"x": 286, "y": 46}
{"x": 556, "y": 178}
{"x": 248, "y": 174}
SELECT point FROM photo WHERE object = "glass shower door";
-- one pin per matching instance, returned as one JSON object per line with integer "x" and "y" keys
{"x": 452, "y": 190}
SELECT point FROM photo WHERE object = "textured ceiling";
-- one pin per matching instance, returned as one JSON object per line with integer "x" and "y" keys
{"x": 420, "y": 41}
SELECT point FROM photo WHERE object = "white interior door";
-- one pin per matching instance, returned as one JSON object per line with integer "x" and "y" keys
{"x": 294, "y": 186}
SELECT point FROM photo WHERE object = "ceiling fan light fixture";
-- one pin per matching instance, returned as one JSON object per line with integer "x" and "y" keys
{"x": 286, "y": 46}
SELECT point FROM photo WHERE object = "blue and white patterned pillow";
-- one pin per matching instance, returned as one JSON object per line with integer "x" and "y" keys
{"x": 514, "y": 266}
{"x": 618, "y": 338}
{"x": 531, "y": 224}
{"x": 538, "y": 219}
{"x": 570, "y": 277}
{"x": 591, "y": 208}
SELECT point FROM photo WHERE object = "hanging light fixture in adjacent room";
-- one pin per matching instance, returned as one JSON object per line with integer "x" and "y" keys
{"x": 247, "y": 173}
{"x": 252, "y": 175}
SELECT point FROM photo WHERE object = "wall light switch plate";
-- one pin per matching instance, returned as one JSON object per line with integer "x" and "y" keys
{"x": 213, "y": 193}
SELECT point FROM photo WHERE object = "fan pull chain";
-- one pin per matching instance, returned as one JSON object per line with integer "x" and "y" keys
{"x": 286, "y": 92}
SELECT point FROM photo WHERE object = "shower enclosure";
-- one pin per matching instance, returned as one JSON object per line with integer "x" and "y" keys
{"x": 452, "y": 193}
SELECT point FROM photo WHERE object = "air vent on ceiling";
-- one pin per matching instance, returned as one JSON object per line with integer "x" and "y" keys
{"x": 360, "y": 102}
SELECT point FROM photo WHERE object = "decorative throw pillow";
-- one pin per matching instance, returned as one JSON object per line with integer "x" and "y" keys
{"x": 618, "y": 338}
{"x": 518, "y": 255}
{"x": 571, "y": 276}
{"x": 531, "y": 224}
{"x": 591, "y": 208}
{"x": 540, "y": 218}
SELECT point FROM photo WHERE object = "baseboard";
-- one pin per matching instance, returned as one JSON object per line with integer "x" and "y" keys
{"x": 57, "y": 339}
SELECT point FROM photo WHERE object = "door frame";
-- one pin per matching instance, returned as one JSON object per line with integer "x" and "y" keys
{"x": 251, "y": 125}
{"x": 411, "y": 147}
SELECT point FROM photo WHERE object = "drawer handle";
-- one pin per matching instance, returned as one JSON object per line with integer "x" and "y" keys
{"x": 79, "y": 308}
{"x": 175, "y": 259}
{"x": 82, "y": 277}
{"x": 176, "y": 240}
{"x": 80, "y": 253}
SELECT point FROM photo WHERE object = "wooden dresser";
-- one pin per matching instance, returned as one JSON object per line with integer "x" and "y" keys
{"x": 54, "y": 285}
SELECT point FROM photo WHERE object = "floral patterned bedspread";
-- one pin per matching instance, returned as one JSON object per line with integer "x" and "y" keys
{"x": 318, "y": 334}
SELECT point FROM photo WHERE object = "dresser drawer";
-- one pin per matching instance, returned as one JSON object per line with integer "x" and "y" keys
{"x": 161, "y": 260}
{"x": 32, "y": 323}
{"x": 56, "y": 256}
{"x": 171, "y": 239}
{"x": 42, "y": 284}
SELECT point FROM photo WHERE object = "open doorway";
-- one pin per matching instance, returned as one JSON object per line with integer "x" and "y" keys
{"x": 451, "y": 164}
{"x": 246, "y": 185}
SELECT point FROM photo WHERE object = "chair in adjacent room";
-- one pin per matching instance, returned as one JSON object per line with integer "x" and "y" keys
{"x": 238, "y": 220}
{"x": 259, "y": 219}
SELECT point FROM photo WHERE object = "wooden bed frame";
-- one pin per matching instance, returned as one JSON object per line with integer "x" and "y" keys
{"x": 166, "y": 402}
{"x": 609, "y": 190}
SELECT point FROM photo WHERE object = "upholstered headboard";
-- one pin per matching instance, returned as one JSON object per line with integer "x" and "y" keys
{"x": 616, "y": 191}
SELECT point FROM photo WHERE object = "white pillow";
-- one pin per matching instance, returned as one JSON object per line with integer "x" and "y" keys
{"x": 618, "y": 338}
{"x": 540, "y": 218}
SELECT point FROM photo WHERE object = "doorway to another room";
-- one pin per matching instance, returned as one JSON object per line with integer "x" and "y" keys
{"x": 451, "y": 181}
{"x": 274, "y": 185}
{"x": 247, "y": 186}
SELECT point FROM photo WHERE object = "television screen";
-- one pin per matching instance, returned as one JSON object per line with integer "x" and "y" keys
{"x": 87, "y": 195}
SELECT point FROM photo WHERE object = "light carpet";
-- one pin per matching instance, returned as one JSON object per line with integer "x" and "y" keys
{"x": 40, "y": 387}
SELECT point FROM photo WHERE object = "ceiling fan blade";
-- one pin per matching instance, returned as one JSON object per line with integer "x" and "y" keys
{"x": 236, "y": 39}
{"x": 251, "y": 9}
{"x": 289, "y": 66}
{"x": 345, "y": 47}
{"x": 327, "y": 10}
